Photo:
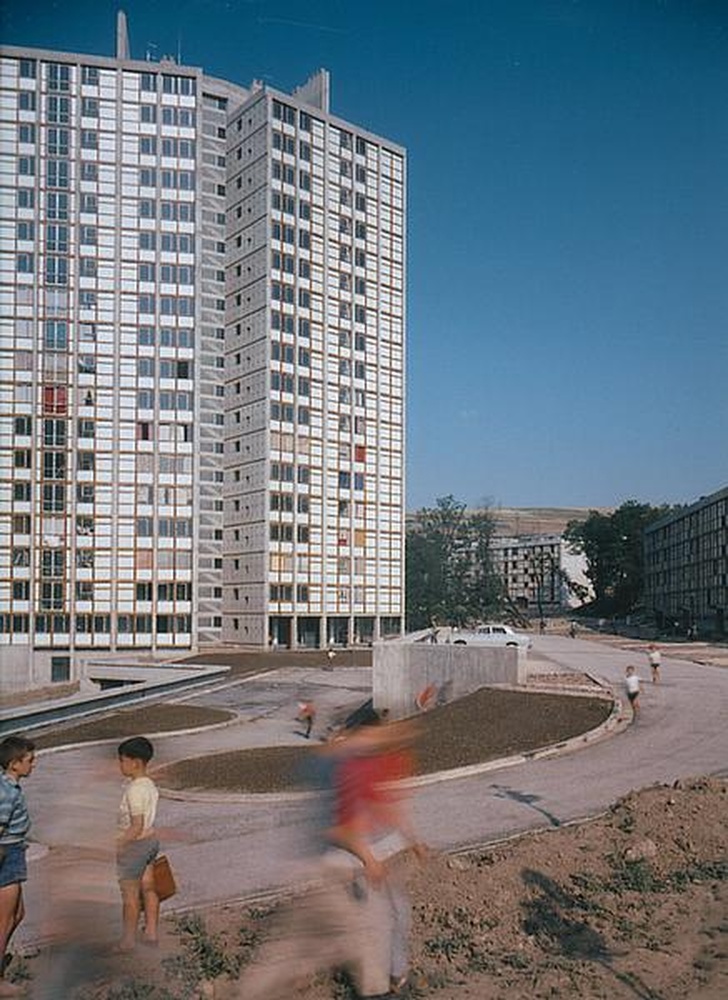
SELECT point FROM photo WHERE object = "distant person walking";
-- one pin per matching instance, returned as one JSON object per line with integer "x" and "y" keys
{"x": 17, "y": 759}
{"x": 632, "y": 684}
{"x": 572, "y": 629}
{"x": 655, "y": 657}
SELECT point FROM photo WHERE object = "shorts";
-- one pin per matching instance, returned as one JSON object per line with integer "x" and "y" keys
{"x": 633, "y": 696}
{"x": 13, "y": 868}
{"x": 134, "y": 857}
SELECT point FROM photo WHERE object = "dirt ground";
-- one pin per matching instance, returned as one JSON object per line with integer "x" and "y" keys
{"x": 488, "y": 724}
{"x": 131, "y": 722}
{"x": 633, "y": 904}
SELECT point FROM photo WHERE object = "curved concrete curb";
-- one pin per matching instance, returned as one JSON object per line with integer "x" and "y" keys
{"x": 612, "y": 724}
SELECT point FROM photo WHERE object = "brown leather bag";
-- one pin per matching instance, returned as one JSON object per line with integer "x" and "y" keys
{"x": 164, "y": 883}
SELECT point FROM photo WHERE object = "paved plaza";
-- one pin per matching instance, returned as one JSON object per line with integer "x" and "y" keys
{"x": 229, "y": 847}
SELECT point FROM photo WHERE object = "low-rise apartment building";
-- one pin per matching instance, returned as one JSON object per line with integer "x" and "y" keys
{"x": 686, "y": 567}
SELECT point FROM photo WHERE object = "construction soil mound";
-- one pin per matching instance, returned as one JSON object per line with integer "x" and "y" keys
{"x": 633, "y": 904}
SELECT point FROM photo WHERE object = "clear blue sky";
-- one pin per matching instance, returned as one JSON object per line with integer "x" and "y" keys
{"x": 568, "y": 218}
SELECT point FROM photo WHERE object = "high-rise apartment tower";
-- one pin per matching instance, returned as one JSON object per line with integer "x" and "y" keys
{"x": 202, "y": 308}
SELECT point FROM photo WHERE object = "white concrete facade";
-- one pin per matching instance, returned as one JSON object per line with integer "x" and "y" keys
{"x": 145, "y": 293}
{"x": 536, "y": 570}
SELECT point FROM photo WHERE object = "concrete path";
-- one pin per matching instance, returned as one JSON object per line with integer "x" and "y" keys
{"x": 228, "y": 850}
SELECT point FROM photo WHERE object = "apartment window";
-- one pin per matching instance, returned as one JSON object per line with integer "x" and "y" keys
{"x": 54, "y": 497}
{"x": 90, "y": 76}
{"x": 86, "y": 428}
{"x": 149, "y": 113}
{"x": 284, "y": 112}
{"x": 53, "y": 563}
{"x": 21, "y": 492}
{"x": 84, "y": 590}
{"x": 148, "y": 145}
{"x": 26, "y": 166}
{"x": 57, "y": 205}
{"x": 27, "y": 69}
{"x": 23, "y": 426}
{"x": 56, "y": 238}
{"x": 55, "y": 433}
{"x": 60, "y": 669}
{"x": 89, "y": 172}
{"x": 58, "y": 110}
{"x": 55, "y": 335}
{"x": 26, "y": 100}
{"x": 25, "y": 263}
{"x": 58, "y": 76}
{"x": 55, "y": 399}
{"x": 54, "y": 465}
{"x": 26, "y": 133}
{"x": 89, "y": 107}
{"x": 26, "y": 198}
{"x": 87, "y": 267}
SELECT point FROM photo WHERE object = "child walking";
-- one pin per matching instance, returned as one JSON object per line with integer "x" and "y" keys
{"x": 655, "y": 658}
{"x": 632, "y": 683}
{"x": 137, "y": 845}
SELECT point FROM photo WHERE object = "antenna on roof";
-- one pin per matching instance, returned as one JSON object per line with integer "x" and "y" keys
{"x": 122, "y": 36}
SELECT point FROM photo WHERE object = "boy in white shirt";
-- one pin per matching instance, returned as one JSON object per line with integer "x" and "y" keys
{"x": 136, "y": 843}
{"x": 632, "y": 683}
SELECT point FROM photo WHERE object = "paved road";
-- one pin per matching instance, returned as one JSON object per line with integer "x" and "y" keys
{"x": 232, "y": 849}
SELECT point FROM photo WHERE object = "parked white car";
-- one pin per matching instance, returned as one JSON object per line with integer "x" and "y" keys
{"x": 492, "y": 635}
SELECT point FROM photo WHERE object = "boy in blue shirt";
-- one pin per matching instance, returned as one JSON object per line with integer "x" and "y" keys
{"x": 17, "y": 759}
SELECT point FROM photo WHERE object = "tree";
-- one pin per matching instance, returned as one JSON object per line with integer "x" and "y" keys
{"x": 449, "y": 571}
{"x": 613, "y": 546}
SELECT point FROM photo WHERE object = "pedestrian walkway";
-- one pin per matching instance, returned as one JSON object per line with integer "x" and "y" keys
{"x": 231, "y": 851}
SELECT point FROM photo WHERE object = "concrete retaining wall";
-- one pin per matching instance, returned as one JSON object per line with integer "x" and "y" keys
{"x": 137, "y": 684}
{"x": 402, "y": 670}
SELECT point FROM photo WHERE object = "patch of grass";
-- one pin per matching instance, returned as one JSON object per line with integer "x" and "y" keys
{"x": 634, "y": 876}
{"x": 204, "y": 956}
{"x": 129, "y": 989}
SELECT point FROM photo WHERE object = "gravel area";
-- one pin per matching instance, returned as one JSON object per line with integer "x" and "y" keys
{"x": 488, "y": 724}
{"x": 148, "y": 719}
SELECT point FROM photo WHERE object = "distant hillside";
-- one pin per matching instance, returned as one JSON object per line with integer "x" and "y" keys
{"x": 539, "y": 520}
{"x": 530, "y": 520}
